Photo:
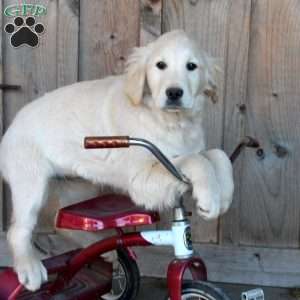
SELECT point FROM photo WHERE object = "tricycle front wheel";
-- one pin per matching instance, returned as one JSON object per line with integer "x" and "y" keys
{"x": 199, "y": 290}
{"x": 126, "y": 278}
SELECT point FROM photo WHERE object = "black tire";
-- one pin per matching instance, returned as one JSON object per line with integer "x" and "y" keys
{"x": 200, "y": 290}
{"x": 131, "y": 275}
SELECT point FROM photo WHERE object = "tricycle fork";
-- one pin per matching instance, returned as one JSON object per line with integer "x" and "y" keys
{"x": 176, "y": 270}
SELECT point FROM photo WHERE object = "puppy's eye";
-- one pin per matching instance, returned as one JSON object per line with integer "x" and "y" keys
{"x": 161, "y": 65}
{"x": 191, "y": 66}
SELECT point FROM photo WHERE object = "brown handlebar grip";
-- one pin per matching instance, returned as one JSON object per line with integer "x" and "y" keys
{"x": 100, "y": 142}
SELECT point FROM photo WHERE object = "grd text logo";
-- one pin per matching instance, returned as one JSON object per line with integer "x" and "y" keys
{"x": 24, "y": 29}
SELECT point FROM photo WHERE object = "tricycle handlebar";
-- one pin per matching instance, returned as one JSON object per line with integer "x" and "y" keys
{"x": 102, "y": 142}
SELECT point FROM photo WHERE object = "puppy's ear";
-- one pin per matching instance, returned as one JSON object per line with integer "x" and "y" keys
{"x": 213, "y": 77}
{"x": 136, "y": 74}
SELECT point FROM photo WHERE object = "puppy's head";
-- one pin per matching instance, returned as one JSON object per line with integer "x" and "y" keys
{"x": 175, "y": 71}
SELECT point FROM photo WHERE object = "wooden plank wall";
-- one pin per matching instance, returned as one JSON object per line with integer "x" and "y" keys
{"x": 67, "y": 42}
{"x": 1, "y": 125}
{"x": 271, "y": 185}
{"x": 236, "y": 74}
{"x": 257, "y": 44}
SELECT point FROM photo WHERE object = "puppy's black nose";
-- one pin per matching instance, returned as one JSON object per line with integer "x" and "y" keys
{"x": 174, "y": 93}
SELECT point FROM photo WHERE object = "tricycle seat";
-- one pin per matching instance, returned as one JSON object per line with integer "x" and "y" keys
{"x": 103, "y": 212}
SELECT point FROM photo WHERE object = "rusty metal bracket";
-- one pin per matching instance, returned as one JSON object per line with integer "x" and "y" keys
{"x": 249, "y": 142}
{"x": 9, "y": 87}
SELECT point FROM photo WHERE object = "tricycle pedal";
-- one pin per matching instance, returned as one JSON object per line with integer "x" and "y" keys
{"x": 256, "y": 294}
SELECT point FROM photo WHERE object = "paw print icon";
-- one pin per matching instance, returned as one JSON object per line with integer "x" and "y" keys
{"x": 24, "y": 32}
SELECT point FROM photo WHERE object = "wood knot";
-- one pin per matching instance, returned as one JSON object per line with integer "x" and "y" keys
{"x": 242, "y": 108}
{"x": 154, "y": 6}
{"x": 280, "y": 151}
{"x": 154, "y": 1}
{"x": 257, "y": 256}
{"x": 194, "y": 2}
{"x": 74, "y": 6}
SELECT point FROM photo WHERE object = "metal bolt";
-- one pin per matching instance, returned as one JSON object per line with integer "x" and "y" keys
{"x": 260, "y": 153}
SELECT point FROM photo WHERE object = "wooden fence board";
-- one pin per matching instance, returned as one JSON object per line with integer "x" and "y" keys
{"x": 1, "y": 122}
{"x": 235, "y": 107}
{"x": 108, "y": 30}
{"x": 207, "y": 22}
{"x": 150, "y": 20}
{"x": 150, "y": 30}
{"x": 67, "y": 42}
{"x": 32, "y": 68}
{"x": 252, "y": 265}
{"x": 269, "y": 208}
{"x": 67, "y": 73}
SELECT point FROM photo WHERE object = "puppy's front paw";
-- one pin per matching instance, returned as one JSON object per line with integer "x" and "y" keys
{"x": 224, "y": 173}
{"x": 208, "y": 202}
{"x": 31, "y": 272}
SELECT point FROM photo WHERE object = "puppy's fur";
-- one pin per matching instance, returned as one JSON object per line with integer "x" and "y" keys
{"x": 46, "y": 140}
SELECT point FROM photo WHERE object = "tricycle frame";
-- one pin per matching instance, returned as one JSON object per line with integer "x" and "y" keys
{"x": 184, "y": 259}
{"x": 178, "y": 237}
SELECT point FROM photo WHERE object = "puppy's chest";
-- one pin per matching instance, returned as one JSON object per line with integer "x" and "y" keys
{"x": 174, "y": 135}
{"x": 182, "y": 141}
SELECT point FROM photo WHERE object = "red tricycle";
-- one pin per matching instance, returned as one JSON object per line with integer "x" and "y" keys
{"x": 83, "y": 274}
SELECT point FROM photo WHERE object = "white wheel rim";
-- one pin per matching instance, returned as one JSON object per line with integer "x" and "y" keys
{"x": 118, "y": 284}
{"x": 195, "y": 296}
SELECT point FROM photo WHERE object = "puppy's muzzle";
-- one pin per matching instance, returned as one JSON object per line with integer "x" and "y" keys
{"x": 174, "y": 96}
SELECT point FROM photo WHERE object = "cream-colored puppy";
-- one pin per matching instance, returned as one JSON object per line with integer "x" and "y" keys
{"x": 159, "y": 98}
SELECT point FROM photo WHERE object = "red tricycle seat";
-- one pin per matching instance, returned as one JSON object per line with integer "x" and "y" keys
{"x": 103, "y": 212}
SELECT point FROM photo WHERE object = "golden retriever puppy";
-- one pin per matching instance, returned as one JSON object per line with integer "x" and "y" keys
{"x": 160, "y": 98}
